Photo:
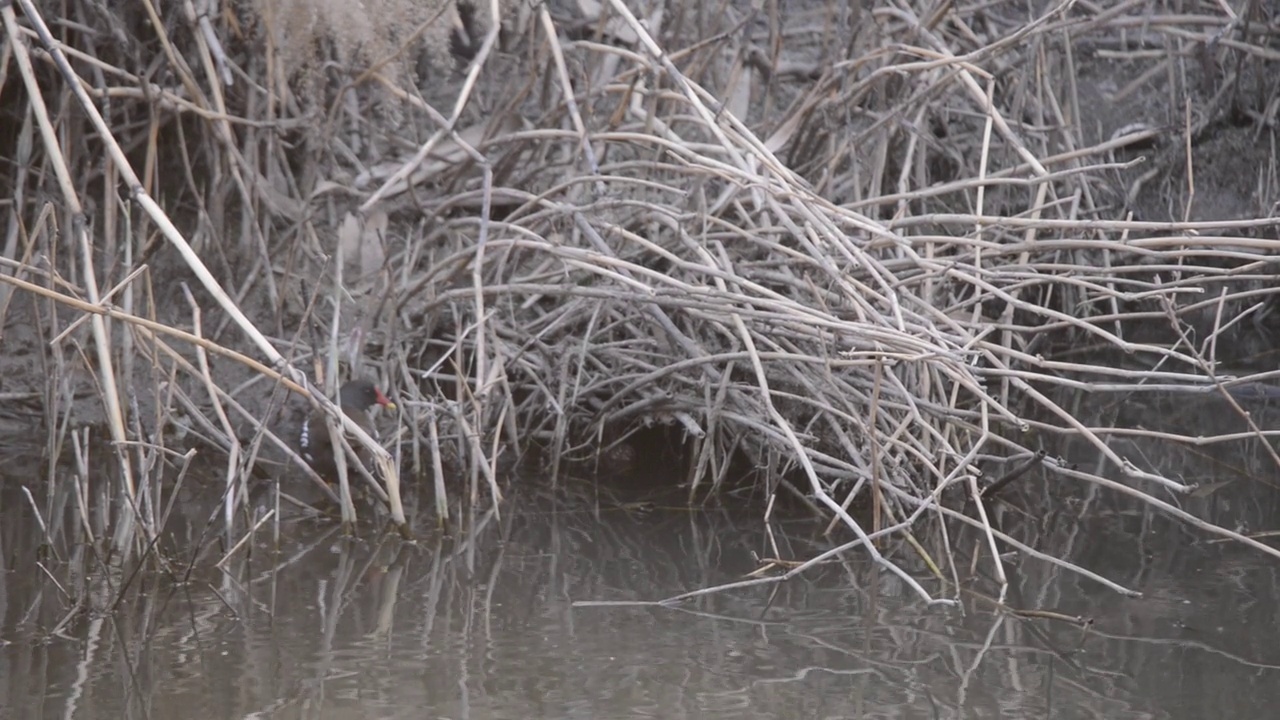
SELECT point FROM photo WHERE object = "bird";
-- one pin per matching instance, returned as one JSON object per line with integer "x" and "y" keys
{"x": 314, "y": 443}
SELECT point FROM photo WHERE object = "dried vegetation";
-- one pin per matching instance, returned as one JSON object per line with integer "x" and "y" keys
{"x": 835, "y": 243}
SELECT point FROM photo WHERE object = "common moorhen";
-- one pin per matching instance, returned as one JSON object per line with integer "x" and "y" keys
{"x": 315, "y": 445}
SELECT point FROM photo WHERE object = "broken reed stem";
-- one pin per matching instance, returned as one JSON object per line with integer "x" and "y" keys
{"x": 235, "y": 488}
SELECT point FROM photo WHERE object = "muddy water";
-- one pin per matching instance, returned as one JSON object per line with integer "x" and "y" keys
{"x": 489, "y": 624}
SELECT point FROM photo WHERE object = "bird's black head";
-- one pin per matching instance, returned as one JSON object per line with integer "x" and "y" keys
{"x": 360, "y": 395}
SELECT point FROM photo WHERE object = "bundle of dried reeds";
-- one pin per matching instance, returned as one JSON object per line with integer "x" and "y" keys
{"x": 837, "y": 243}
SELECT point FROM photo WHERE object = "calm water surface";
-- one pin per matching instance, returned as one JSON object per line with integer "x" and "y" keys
{"x": 485, "y": 625}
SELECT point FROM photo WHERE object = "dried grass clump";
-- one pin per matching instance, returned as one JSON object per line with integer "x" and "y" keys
{"x": 833, "y": 243}
{"x": 309, "y": 35}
